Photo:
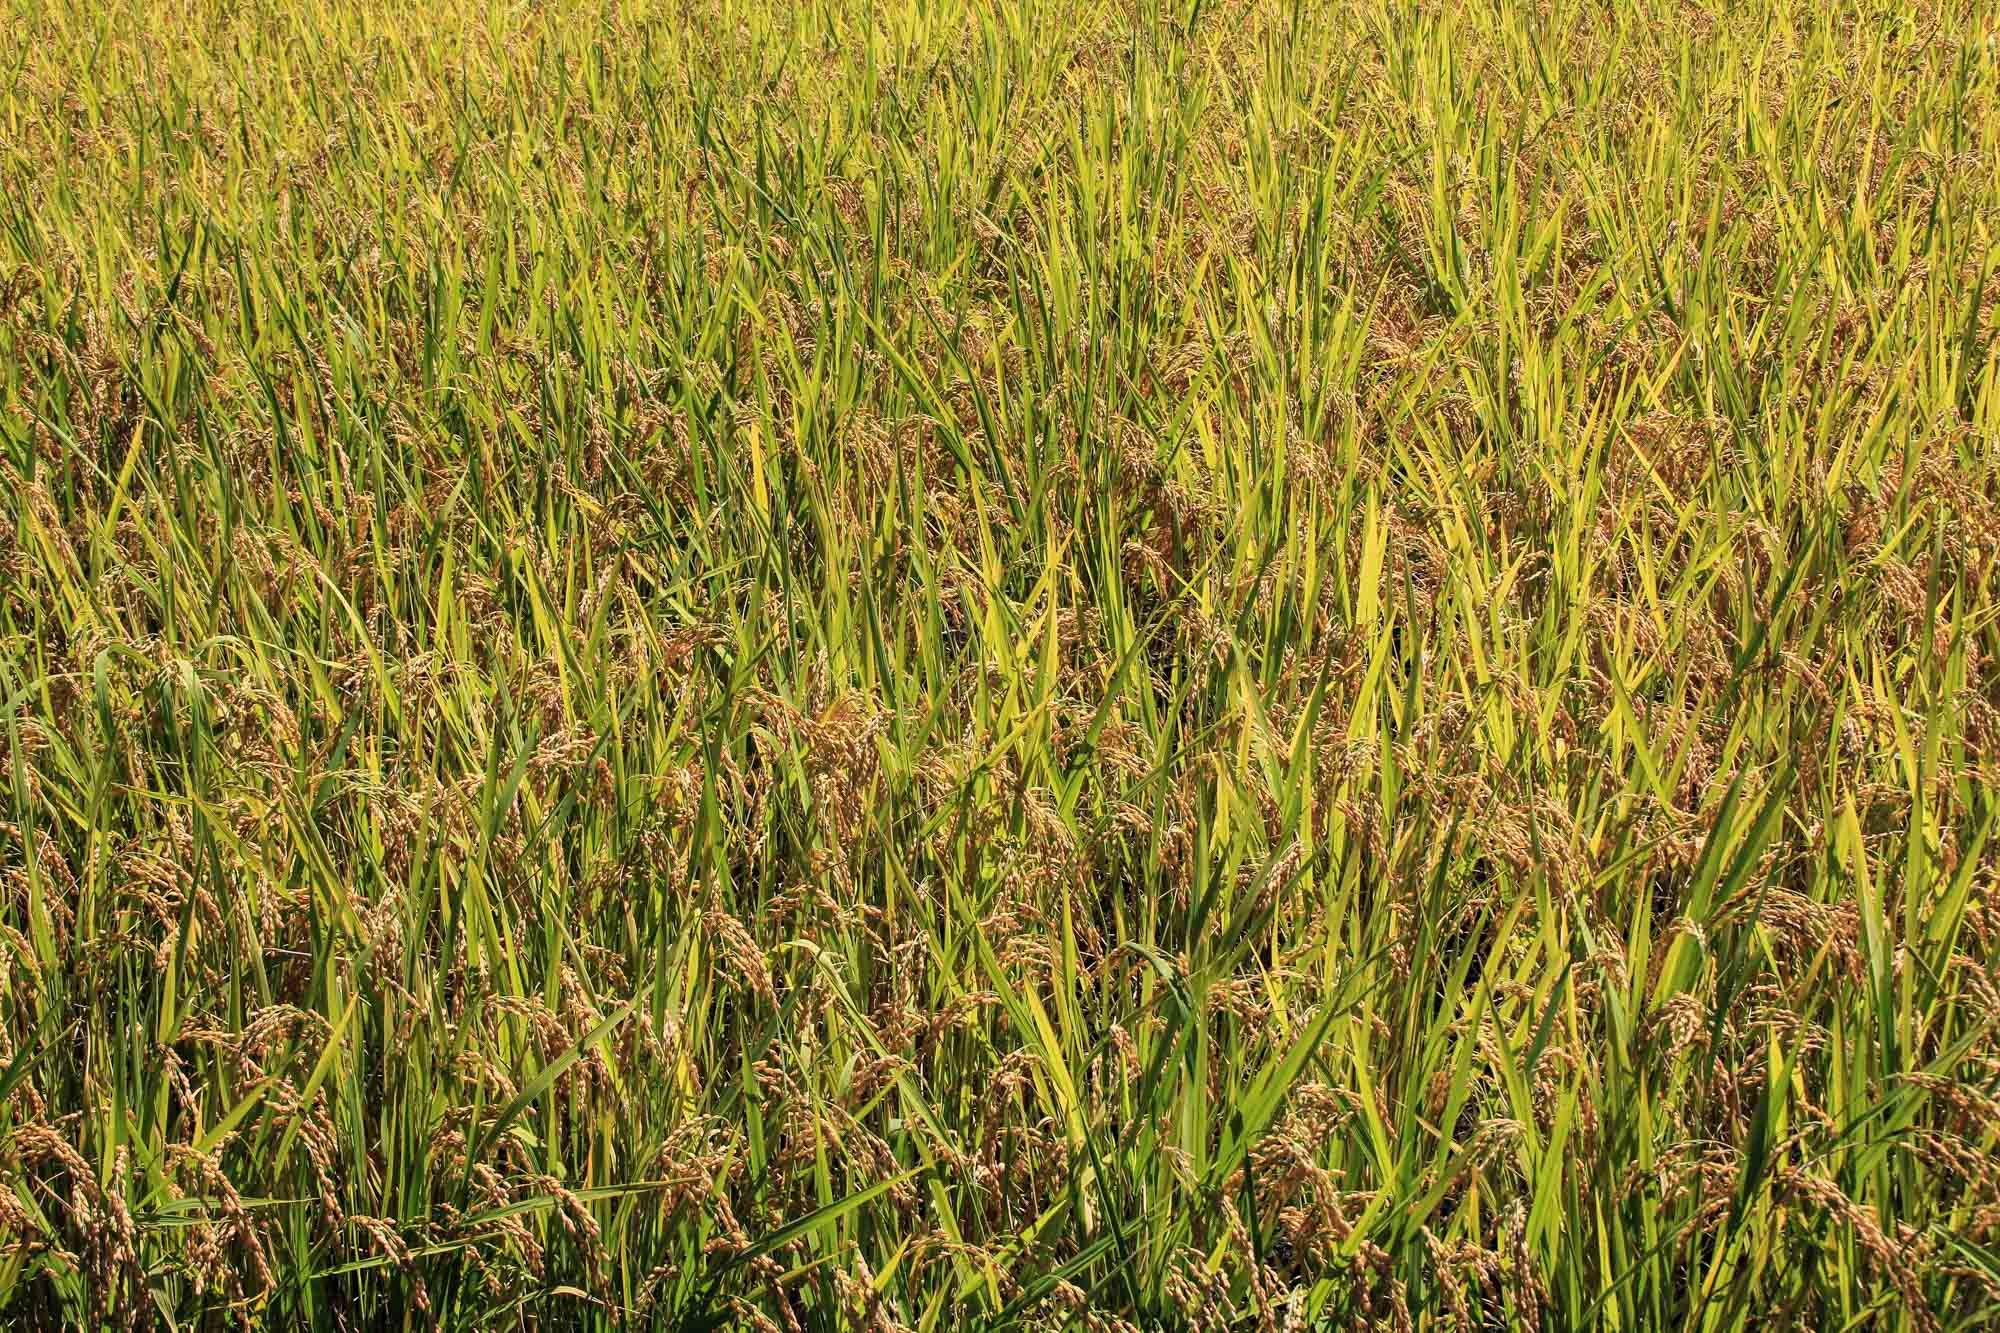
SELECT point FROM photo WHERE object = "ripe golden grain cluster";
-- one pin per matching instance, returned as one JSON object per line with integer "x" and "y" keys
{"x": 1112, "y": 664}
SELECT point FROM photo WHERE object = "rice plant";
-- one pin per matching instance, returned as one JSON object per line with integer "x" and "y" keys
{"x": 922, "y": 665}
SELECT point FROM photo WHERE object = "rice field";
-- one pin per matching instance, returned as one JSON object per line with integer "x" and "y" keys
{"x": 1046, "y": 664}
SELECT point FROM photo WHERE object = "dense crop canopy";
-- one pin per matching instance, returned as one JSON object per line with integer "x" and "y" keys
{"x": 1077, "y": 663}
